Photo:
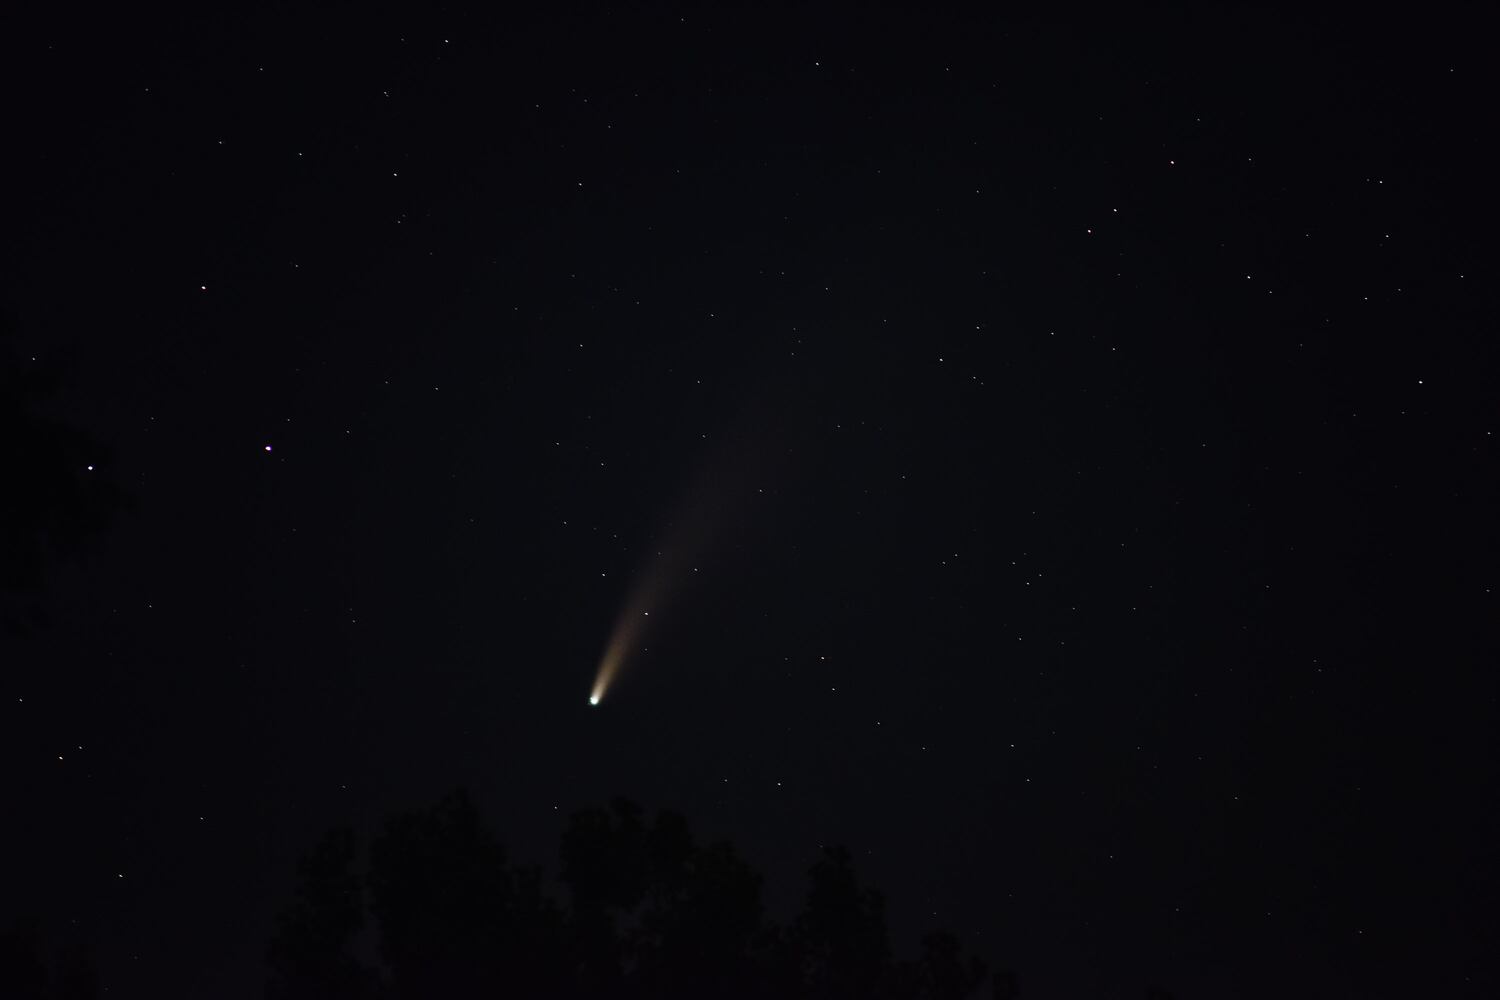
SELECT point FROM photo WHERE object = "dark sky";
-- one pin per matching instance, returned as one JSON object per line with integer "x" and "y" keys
{"x": 1081, "y": 430}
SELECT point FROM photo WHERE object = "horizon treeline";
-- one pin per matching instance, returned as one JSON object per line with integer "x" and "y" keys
{"x": 648, "y": 912}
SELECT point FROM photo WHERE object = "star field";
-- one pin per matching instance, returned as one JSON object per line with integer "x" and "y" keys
{"x": 1053, "y": 458}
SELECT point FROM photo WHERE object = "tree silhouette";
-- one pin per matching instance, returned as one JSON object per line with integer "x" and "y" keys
{"x": 22, "y": 972}
{"x": 650, "y": 914}
{"x": 452, "y": 913}
{"x": 943, "y": 972}
{"x": 840, "y": 937}
{"x": 604, "y": 866}
{"x": 701, "y": 928}
{"x": 26, "y": 974}
{"x": 311, "y": 953}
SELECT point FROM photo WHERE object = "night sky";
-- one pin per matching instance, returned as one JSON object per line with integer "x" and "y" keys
{"x": 1056, "y": 457}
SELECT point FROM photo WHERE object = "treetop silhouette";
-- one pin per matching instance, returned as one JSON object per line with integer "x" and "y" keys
{"x": 649, "y": 913}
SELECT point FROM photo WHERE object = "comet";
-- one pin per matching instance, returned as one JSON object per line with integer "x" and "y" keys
{"x": 720, "y": 497}
{"x": 656, "y": 587}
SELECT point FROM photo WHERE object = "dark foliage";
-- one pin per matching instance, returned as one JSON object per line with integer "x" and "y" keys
{"x": 452, "y": 913}
{"x": 650, "y": 914}
{"x": 34, "y": 968}
{"x": 311, "y": 954}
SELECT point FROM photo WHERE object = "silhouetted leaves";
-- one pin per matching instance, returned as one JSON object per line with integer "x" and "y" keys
{"x": 311, "y": 953}
{"x": 699, "y": 934}
{"x": 653, "y": 915}
{"x": 944, "y": 972}
{"x": 452, "y": 913}
{"x": 22, "y": 972}
{"x": 31, "y": 969}
{"x": 604, "y": 857}
{"x": 841, "y": 934}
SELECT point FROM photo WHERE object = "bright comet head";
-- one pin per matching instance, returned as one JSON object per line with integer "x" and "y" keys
{"x": 593, "y": 699}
